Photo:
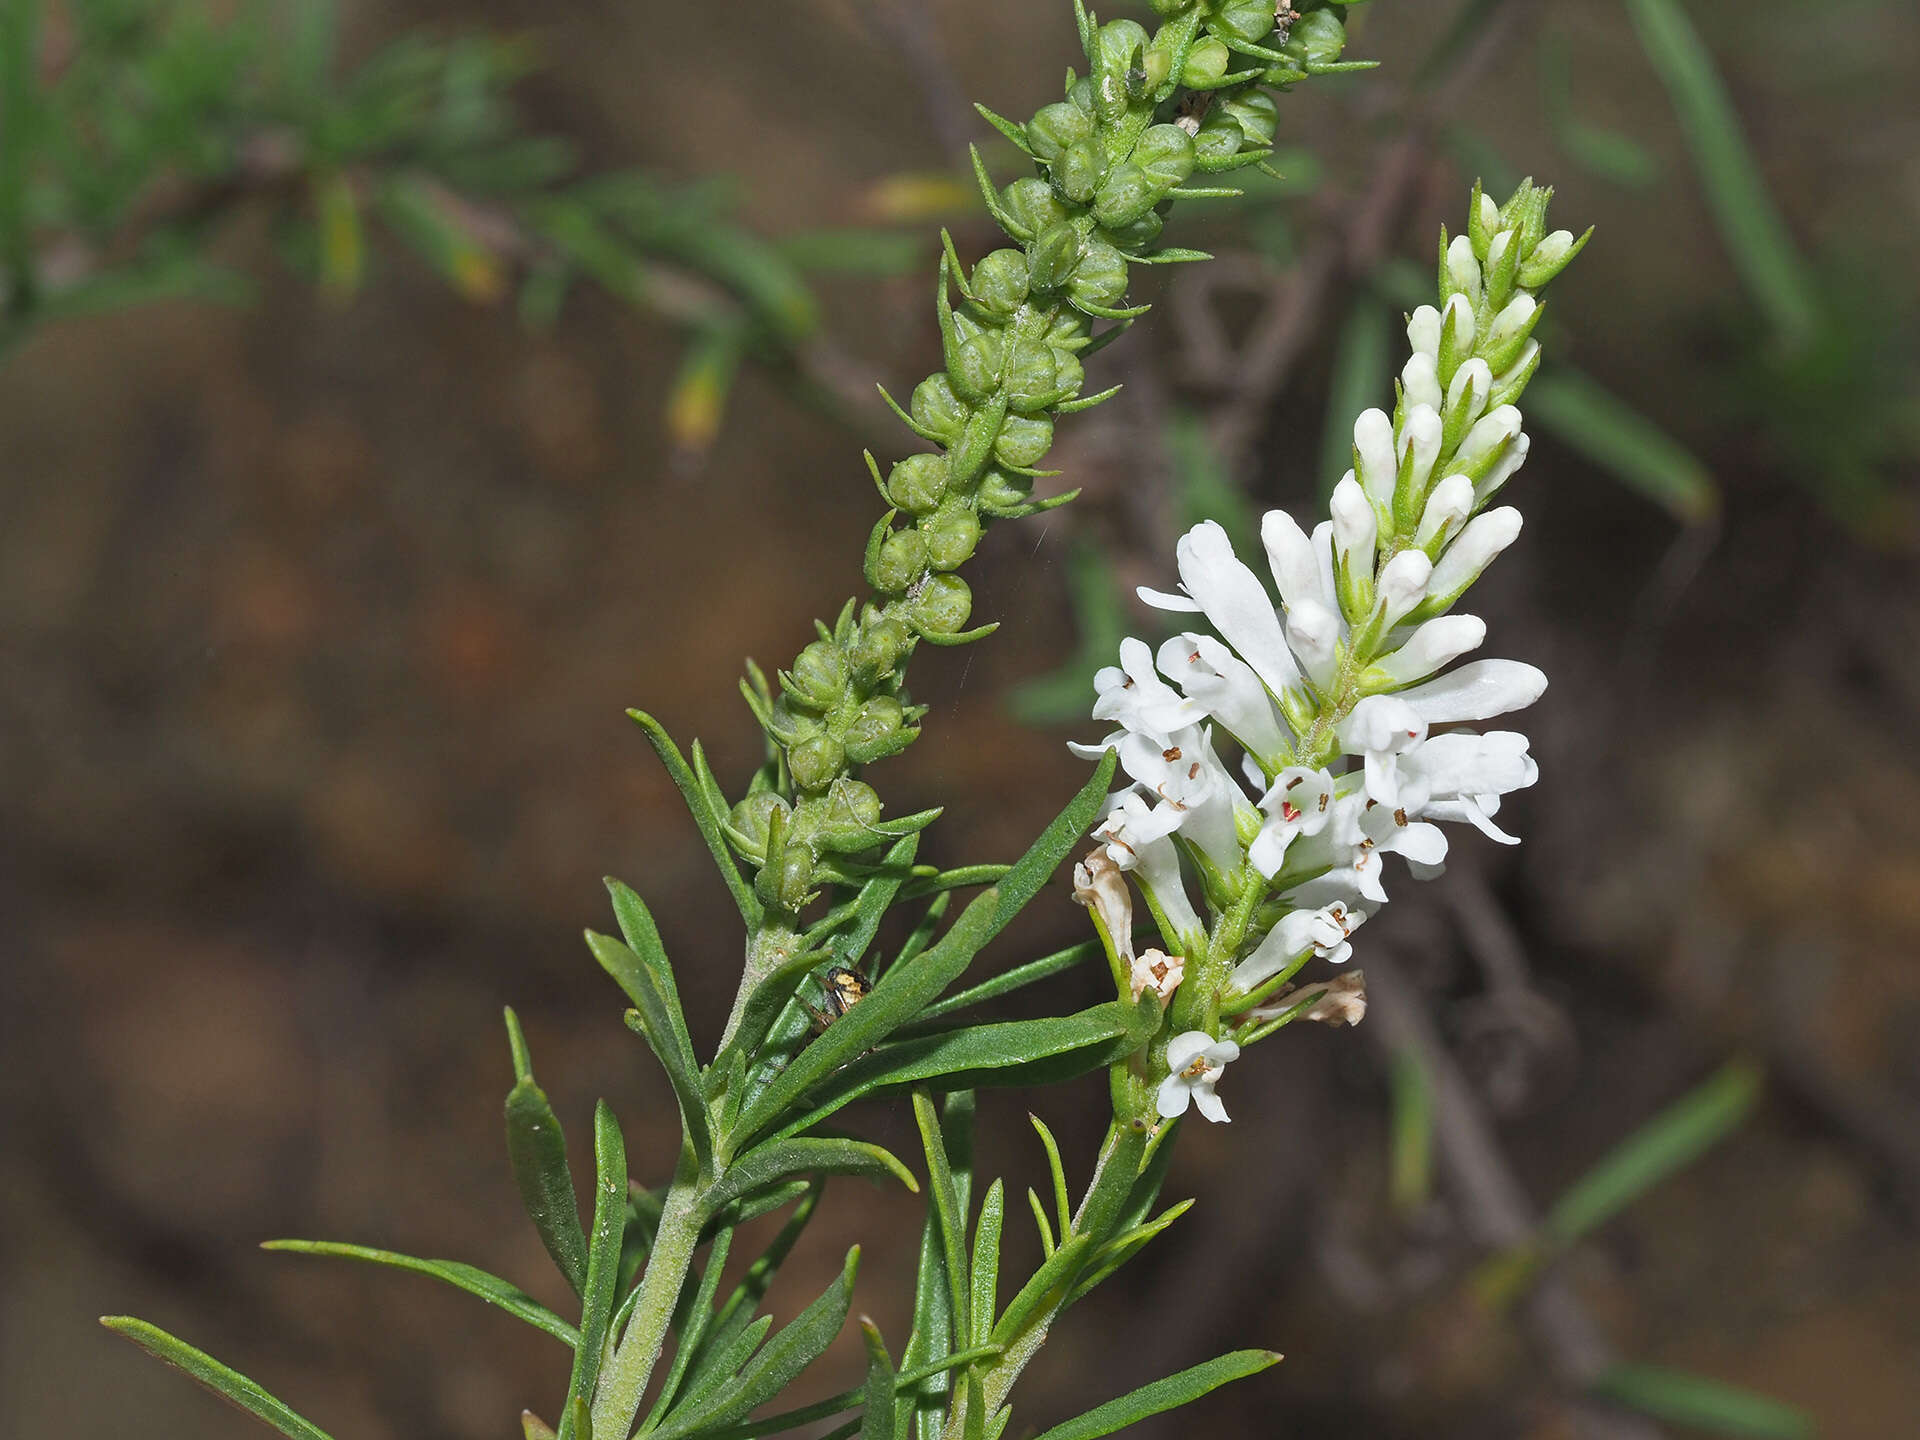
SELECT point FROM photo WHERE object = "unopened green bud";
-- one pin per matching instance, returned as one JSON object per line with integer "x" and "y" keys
{"x": 1068, "y": 373}
{"x": 902, "y": 559}
{"x": 1206, "y": 63}
{"x": 1125, "y": 195}
{"x": 1024, "y": 440}
{"x": 1068, "y": 327}
{"x": 1219, "y": 137}
{"x": 878, "y": 730}
{"x": 952, "y": 534}
{"x": 1248, "y": 20}
{"x": 815, "y": 761}
{"x": 1032, "y": 205}
{"x": 936, "y": 408}
{"x": 793, "y": 877}
{"x": 1078, "y": 172}
{"x": 1032, "y": 374}
{"x": 973, "y": 369}
{"x": 1056, "y": 127}
{"x": 999, "y": 490}
{"x": 1137, "y": 234}
{"x": 943, "y": 606}
{"x": 1053, "y": 256}
{"x": 820, "y": 674}
{"x": 845, "y": 822}
{"x": 1000, "y": 281}
{"x": 878, "y": 647}
{"x": 918, "y": 482}
{"x": 1101, "y": 276}
{"x": 1165, "y": 152}
{"x": 1119, "y": 54}
{"x": 1318, "y": 37}
{"x": 753, "y": 818}
{"x": 1258, "y": 116}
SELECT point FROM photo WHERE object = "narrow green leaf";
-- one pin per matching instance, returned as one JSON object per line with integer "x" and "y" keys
{"x": 603, "y": 1265}
{"x": 753, "y": 1285}
{"x": 490, "y": 1288}
{"x": 532, "y": 1427}
{"x": 704, "y": 815}
{"x": 1057, "y": 1272}
{"x": 1008, "y": 981}
{"x": 579, "y": 1421}
{"x": 932, "y": 1333}
{"x": 1040, "y": 1222}
{"x": 949, "y": 1207}
{"x": 1122, "y": 1248}
{"x": 1750, "y": 224}
{"x": 1033, "y": 869}
{"x": 720, "y": 1361}
{"x": 986, "y": 1261}
{"x": 874, "y": 900}
{"x": 1063, "y": 1207}
{"x": 783, "y": 1357}
{"x": 1625, "y": 443}
{"x": 878, "y": 1420}
{"x": 537, "y": 1148}
{"x": 1702, "y": 1404}
{"x": 900, "y": 995}
{"x": 1163, "y": 1395}
{"x": 1013, "y": 1052}
{"x": 230, "y": 1385}
{"x": 660, "y": 1026}
{"x": 779, "y": 1160}
{"x": 1672, "y": 1140}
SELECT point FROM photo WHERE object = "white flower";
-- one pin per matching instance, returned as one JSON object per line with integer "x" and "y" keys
{"x": 1159, "y": 972}
{"x": 1196, "y": 1061}
{"x": 1217, "y": 583}
{"x": 1137, "y": 698}
{"x": 1324, "y": 931}
{"x": 1465, "y": 775}
{"x": 1379, "y": 728}
{"x": 1185, "y": 773}
{"x": 1223, "y": 685}
{"x": 1300, "y": 802}
{"x": 1137, "y": 838}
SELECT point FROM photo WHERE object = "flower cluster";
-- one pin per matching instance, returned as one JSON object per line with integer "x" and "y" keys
{"x": 1350, "y": 718}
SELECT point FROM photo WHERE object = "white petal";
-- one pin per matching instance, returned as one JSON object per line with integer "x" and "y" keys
{"x": 1186, "y": 1047}
{"x": 1290, "y": 556}
{"x": 1420, "y": 380}
{"x": 1473, "y": 550}
{"x": 1354, "y": 524}
{"x": 1236, "y": 603}
{"x": 1432, "y": 645}
{"x": 1472, "y": 384}
{"x": 1373, "y": 439}
{"x": 1280, "y": 947}
{"x": 1476, "y": 692}
{"x": 1173, "y": 1097}
{"x": 1165, "y": 600}
{"x": 1463, "y": 269}
{"x": 1420, "y": 843}
{"x": 1094, "y": 752}
{"x": 1209, "y": 1104}
{"x": 1219, "y": 680}
{"x": 1403, "y": 584}
{"x": 1463, "y": 764}
{"x": 1420, "y": 438}
{"x": 1222, "y": 1052}
{"x": 1314, "y": 631}
{"x": 1504, "y": 469}
{"x": 1490, "y": 433}
{"x": 1457, "y": 320}
{"x": 1469, "y": 812}
{"x": 1489, "y": 218}
{"x": 1448, "y": 506}
{"x": 1508, "y": 322}
{"x": 1423, "y": 331}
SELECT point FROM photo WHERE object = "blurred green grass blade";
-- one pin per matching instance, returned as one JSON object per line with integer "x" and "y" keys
{"x": 1750, "y": 224}
{"x": 1695, "y": 1401}
{"x": 1410, "y": 1157}
{"x": 1669, "y": 1142}
{"x": 230, "y": 1385}
{"x": 490, "y": 1288}
{"x": 20, "y": 99}
{"x": 875, "y": 253}
{"x": 1163, "y": 1395}
{"x": 1204, "y": 489}
{"x": 1100, "y": 616}
{"x": 1362, "y": 363}
{"x": 1606, "y": 153}
{"x": 1625, "y": 443}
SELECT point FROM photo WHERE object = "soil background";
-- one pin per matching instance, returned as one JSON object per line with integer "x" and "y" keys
{"x": 317, "y": 624}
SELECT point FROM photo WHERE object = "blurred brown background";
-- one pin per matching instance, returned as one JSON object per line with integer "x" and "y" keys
{"x": 317, "y": 623}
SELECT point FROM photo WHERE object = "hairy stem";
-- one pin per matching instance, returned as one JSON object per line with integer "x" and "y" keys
{"x": 623, "y": 1382}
